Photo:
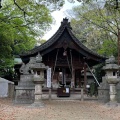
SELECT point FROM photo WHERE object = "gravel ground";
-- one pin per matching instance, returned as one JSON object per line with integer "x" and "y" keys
{"x": 58, "y": 110}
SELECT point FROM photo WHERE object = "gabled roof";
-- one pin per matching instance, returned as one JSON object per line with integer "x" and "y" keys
{"x": 64, "y": 25}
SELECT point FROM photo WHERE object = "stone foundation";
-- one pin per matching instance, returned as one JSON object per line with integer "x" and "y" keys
{"x": 103, "y": 91}
{"x": 24, "y": 92}
{"x": 118, "y": 92}
{"x": 10, "y": 90}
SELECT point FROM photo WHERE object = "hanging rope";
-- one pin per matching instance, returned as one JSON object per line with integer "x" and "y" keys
{"x": 69, "y": 65}
{"x": 71, "y": 60}
{"x": 55, "y": 62}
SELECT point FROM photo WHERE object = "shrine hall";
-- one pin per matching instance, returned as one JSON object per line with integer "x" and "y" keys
{"x": 67, "y": 57}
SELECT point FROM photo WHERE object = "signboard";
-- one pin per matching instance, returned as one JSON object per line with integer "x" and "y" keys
{"x": 49, "y": 77}
{"x": 67, "y": 90}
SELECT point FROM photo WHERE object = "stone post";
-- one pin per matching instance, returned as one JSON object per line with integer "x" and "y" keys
{"x": 113, "y": 93}
{"x": 38, "y": 80}
{"x": 112, "y": 79}
{"x": 38, "y": 92}
{"x": 82, "y": 94}
{"x": 38, "y": 69}
{"x": 50, "y": 94}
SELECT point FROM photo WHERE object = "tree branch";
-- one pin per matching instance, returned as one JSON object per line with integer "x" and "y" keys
{"x": 109, "y": 23}
{"x": 24, "y": 12}
{"x": 100, "y": 26}
{"x": 0, "y": 4}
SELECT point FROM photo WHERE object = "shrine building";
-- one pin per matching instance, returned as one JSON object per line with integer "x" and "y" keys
{"x": 66, "y": 56}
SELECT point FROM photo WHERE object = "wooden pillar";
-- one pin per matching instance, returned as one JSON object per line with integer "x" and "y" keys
{"x": 50, "y": 89}
{"x": 63, "y": 77}
{"x": 80, "y": 78}
{"x": 82, "y": 94}
{"x": 73, "y": 79}
{"x": 50, "y": 93}
{"x": 85, "y": 76}
{"x": 53, "y": 73}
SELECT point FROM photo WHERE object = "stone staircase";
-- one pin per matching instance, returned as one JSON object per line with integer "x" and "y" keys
{"x": 75, "y": 94}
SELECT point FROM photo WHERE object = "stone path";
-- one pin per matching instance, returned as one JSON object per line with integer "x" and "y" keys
{"x": 58, "y": 110}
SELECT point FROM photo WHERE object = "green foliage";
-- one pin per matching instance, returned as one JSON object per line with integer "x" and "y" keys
{"x": 6, "y": 68}
{"x": 97, "y": 27}
{"x": 99, "y": 72}
{"x": 42, "y": 41}
{"x": 108, "y": 48}
{"x": 21, "y": 22}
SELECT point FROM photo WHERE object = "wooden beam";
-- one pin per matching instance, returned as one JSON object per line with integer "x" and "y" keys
{"x": 85, "y": 76}
{"x": 73, "y": 78}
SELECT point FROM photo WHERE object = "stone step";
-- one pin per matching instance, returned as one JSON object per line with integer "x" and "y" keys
{"x": 72, "y": 97}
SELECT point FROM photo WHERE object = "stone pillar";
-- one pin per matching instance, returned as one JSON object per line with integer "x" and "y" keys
{"x": 38, "y": 69}
{"x": 113, "y": 93}
{"x": 49, "y": 81}
{"x": 82, "y": 94}
{"x": 112, "y": 79}
{"x": 107, "y": 90}
{"x": 73, "y": 79}
{"x": 50, "y": 93}
{"x": 103, "y": 91}
{"x": 38, "y": 95}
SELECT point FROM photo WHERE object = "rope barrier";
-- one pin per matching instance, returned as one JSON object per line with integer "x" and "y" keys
{"x": 55, "y": 63}
{"x": 69, "y": 65}
{"x": 71, "y": 61}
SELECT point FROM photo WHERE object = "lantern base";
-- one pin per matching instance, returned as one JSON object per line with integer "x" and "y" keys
{"x": 39, "y": 104}
{"x": 112, "y": 104}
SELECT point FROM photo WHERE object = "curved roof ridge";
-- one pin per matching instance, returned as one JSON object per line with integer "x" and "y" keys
{"x": 51, "y": 40}
{"x": 82, "y": 45}
{"x": 64, "y": 25}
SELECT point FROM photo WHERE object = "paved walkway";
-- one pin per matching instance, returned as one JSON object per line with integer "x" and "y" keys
{"x": 58, "y": 110}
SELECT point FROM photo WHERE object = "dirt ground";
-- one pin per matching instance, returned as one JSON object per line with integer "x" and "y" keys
{"x": 58, "y": 110}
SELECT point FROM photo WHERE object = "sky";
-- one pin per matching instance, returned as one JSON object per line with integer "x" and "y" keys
{"x": 58, "y": 16}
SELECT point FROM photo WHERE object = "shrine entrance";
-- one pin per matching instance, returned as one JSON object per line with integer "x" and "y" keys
{"x": 63, "y": 76}
{"x": 66, "y": 70}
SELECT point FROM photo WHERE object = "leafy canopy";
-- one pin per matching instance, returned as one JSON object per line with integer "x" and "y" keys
{"x": 20, "y": 27}
{"x": 95, "y": 26}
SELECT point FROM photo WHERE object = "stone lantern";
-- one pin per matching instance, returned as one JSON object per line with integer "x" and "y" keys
{"x": 112, "y": 79}
{"x": 38, "y": 69}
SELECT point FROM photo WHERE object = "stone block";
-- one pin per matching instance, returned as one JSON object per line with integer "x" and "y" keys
{"x": 26, "y": 81}
{"x": 24, "y": 92}
{"x": 10, "y": 90}
{"x": 118, "y": 95}
{"x": 24, "y": 95}
{"x": 103, "y": 91}
{"x": 103, "y": 95}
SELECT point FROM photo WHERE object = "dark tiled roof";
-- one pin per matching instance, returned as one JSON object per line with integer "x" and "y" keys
{"x": 64, "y": 25}
{"x": 83, "y": 46}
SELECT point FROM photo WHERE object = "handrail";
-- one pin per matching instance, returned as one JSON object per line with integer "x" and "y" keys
{"x": 93, "y": 74}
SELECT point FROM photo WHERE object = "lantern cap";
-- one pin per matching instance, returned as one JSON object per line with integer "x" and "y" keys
{"x": 111, "y": 64}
